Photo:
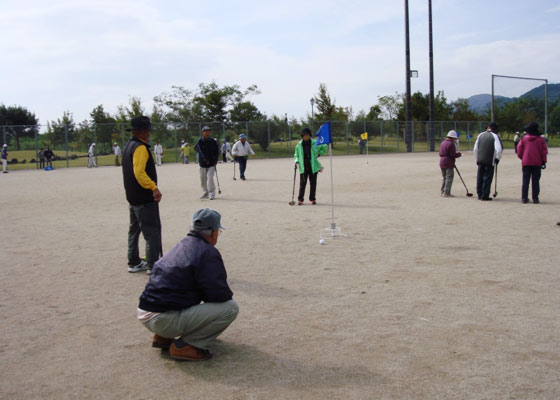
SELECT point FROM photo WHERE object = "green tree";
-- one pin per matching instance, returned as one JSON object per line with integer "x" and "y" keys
{"x": 104, "y": 127}
{"x": 57, "y": 130}
{"x": 390, "y": 105}
{"x": 245, "y": 111}
{"x": 374, "y": 113}
{"x": 462, "y": 110}
{"x": 326, "y": 107}
{"x": 19, "y": 121}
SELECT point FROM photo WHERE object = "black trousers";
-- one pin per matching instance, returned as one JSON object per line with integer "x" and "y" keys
{"x": 242, "y": 166}
{"x": 308, "y": 174}
{"x": 531, "y": 174}
{"x": 144, "y": 219}
{"x": 224, "y": 159}
{"x": 484, "y": 180}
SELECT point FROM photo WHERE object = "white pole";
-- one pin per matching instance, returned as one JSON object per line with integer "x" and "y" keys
{"x": 333, "y": 225}
{"x": 367, "y": 150}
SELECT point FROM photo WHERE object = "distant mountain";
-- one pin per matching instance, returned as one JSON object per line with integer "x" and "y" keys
{"x": 481, "y": 102}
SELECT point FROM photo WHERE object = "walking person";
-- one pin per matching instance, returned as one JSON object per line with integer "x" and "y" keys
{"x": 208, "y": 152}
{"x": 143, "y": 196}
{"x": 487, "y": 153}
{"x": 91, "y": 156}
{"x": 187, "y": 302}
{"x": 49, "y": 155}
{"x": 41, "y": 157}
{"x": 532, "y": 151}
{"x": 305, "y": 156}
{"x": 448, "y": 153}
{"x": 241, "y": 151}
{"x": 118, "y": 153}
{"x": 4, "y": 157}
{"x": 225, "y": 150}
{"x": 158, "y": 150}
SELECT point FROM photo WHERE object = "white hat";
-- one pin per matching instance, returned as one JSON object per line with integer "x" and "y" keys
{"x": 452, "y": 134}
{"x": 5, "y": 145}
{"x": 93, "y": 144}
{"x": 114, "y": 144}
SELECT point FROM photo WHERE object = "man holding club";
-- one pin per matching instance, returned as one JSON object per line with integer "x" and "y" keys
{"x": 208, "y": 151}
{"x": 241, "y": 151}
{"x": 448, "y": 153}
{"x": 143, "y": 195}
{"x": 305, "y": 156}
{"x": 487, "y": 153}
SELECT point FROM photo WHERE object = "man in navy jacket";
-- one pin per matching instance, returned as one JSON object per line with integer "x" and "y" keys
{"x": 187, "y": 296}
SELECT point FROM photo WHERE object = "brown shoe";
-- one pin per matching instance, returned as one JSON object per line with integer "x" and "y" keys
{"x": 161, "y": 343}
{"x": 189, "y": 353}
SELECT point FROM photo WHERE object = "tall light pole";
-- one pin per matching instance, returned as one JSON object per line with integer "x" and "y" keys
{"x": 312, "y": 101}
{"x": 431, "y": 55}
{"x": 408, "y": 129}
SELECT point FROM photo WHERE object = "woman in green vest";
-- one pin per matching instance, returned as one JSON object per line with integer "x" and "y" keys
{"x": 305, "y": 156}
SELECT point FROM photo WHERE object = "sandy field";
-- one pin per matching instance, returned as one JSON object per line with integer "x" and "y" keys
{"x": 427, "y": 298}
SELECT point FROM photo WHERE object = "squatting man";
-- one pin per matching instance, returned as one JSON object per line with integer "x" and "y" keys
{"x": 187, "y": 302}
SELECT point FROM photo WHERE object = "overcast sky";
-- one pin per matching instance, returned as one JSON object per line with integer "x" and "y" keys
{"x": 74, "y": 55}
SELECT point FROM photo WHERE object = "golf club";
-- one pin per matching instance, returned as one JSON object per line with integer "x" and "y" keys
{"x": 464, "y": 184}
{"x": 218, "y": 180}
{"x": 496, "y": 182}
{"x": 234, "y": 170}
{"x": 293, "y": 188}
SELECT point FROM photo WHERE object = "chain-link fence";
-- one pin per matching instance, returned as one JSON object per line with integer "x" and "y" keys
{"x": 27, "y": 145}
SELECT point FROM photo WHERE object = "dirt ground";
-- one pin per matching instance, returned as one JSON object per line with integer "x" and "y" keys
{"x": 427, "y": 298}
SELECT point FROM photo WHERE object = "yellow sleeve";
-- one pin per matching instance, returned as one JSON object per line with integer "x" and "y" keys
{"x": 139, "y": 160}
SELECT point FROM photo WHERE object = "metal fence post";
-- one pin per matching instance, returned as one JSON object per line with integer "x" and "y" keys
{"x": 66, "y": 144}
{"x": 347, "y": 138}
{"x": 268, "y": 133}
{"x": 381, "y": 134}
{"x": 290, "y": 133}
{"x": 122, "y": 136}
{"x": 94, "y": 141}
{"x": 398, "y": 135}
{"x": 175, "y": 135}
{"x": 36, "y": 148}
{"x": 4, "y": 128}
{"x": 247, "y": 129}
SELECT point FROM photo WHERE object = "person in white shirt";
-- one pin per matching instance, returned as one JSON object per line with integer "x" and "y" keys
{"x": 241, "y": 151}
{"x": 158, "y": 150}
{"x": 225, "y": 150}
{"x": 118, "y": 153}
{"x": 91, "y": 156}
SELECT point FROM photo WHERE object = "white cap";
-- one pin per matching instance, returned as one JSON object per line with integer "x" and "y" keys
{"x": 114, "y": 144}
{"x": 93, "y": 144}
{"x": 452, "y": 134}
{"x": 5, "y": 145}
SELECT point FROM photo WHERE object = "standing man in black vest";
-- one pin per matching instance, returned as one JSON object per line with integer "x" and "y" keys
{"x": 487, "y": 152}
{"x": 143, "y": 195}
{"x": 208, "y": 151}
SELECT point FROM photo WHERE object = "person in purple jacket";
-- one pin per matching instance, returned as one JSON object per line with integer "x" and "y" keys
{"x": 187, "y": 302}
{"x": 532, "y": 151}
{"x": 447, "y": 155}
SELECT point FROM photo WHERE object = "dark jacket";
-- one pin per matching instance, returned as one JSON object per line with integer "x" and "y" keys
{"x": 448, "y": 153}
{"x": 208, "y": 151}
{"x": 190, "y": 273}
{"x": 136, "y": 194}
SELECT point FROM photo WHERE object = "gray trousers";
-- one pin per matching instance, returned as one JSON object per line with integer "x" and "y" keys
{"x": 207, "y": 180}
{"x": 447, "y": 181}
{"x": 144, "y": 218}
{"x": 197, "y": 325}
{"x": 91, "y": 161}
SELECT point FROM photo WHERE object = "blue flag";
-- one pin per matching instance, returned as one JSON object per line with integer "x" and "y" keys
{"x": 324, "y": 134}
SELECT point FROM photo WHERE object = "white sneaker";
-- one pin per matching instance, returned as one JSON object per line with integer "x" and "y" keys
{"x": 204, "y": 195}
{"x": 212, "y": 196}
{"x": 143, "y": 266}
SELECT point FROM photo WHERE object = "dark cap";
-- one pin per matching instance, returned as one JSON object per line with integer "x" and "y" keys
{"x": 306, "y": 131}
{"x": 493, "y": 126}
{"x": 206, "y": 218}
{"x": 141, "y": 123}
{"x": 532, "y": 129}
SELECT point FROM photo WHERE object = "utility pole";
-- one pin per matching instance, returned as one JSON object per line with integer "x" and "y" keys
{"x": 431, "y": 55}
{"x": 408, "y": 127}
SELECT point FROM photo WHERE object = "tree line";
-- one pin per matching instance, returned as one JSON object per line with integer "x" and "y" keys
{"x": 229, "y": 105}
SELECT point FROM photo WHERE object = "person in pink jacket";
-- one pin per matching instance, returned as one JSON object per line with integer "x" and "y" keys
{"x": 447, "y": 155}
{"x": 532, "y": 151}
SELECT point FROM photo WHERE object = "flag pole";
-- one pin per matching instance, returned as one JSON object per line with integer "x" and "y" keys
{"x": 367, "y": 151}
